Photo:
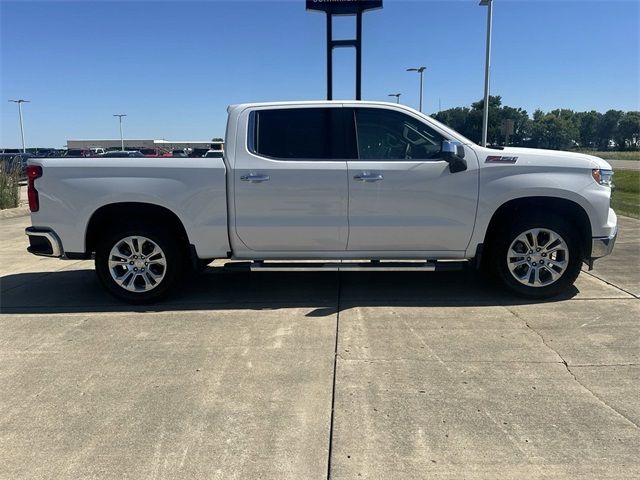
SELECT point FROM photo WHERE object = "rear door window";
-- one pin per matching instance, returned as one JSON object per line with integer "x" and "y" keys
{"x": 302, "y": 133}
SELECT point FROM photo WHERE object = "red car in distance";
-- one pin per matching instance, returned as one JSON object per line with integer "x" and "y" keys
{"x": 154, "y": 152}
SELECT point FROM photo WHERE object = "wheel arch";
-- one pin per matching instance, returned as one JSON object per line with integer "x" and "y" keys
{"x": 107, "y": 217}
{"x": 569, "y": 209}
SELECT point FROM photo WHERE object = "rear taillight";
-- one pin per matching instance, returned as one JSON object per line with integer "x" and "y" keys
{"x": 33, "y": 172}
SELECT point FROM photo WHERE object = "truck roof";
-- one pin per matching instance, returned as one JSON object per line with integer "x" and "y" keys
{"x": 310, "y": 102}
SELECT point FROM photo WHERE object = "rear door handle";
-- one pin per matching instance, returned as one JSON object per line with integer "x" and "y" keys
{"x": 254, "y": 178}
{"x": 369, "y": 177}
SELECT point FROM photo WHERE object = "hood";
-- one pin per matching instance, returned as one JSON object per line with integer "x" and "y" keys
{"x": 535, "y": 156}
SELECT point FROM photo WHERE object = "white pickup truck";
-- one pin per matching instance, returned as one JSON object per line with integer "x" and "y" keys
{"x": 327, "y": 185}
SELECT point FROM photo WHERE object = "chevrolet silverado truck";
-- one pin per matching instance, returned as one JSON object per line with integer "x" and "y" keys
{"x": 327, "y": 186}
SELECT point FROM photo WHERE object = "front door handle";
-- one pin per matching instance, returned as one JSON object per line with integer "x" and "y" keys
{"x": 254, "y": 178}
{"x": 369, "y": 177}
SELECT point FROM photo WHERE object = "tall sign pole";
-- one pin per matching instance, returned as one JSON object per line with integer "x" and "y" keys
{"x": 487, "y": 70}
{"x": 329, "y": 56}
{"x": 359, "y": 54}
{"x": 120, "y": 115}
{"x": 420, "y": 70}
{"x": 343, "y": 7}
{"x": 20, "y": 102}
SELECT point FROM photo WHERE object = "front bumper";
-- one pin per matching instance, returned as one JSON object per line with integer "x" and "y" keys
{"x": 43, "y": 242}
{"x": 602, "y": 246}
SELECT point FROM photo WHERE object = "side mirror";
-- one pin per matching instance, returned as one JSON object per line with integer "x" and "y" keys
{"x": 453, "y": 153}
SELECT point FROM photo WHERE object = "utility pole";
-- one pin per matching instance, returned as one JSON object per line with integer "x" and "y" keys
{"x": 420, "y": 70}
{"x": 487, "y": 68}
{"x": 20, "y": 102}
{"x": 120, "y": 115}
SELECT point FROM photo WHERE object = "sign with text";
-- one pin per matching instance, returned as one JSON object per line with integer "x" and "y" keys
{"x": 343, "y": 7}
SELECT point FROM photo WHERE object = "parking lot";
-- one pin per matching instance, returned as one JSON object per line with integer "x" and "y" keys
{"x": 317, "y": 375}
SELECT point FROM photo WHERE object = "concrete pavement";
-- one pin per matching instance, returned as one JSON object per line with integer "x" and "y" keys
{"x": 303, "y": 376}
{"x": 621, "y": 269}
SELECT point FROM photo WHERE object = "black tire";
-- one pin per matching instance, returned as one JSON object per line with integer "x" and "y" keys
{"x": 170, "y": 273}
{"x": 502, "y": 240}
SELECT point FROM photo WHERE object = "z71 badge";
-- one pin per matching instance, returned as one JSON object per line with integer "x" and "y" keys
{"x": 498, "y": 159}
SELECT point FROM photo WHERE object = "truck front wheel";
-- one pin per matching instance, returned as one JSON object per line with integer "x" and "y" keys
{"x": 538, "y": 257}
{"x": 139, "y": 264}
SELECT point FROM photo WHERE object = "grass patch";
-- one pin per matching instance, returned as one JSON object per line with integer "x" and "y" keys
{"x": 610, "y": 155}
{"x": 9, "y": 186}
{"x": 626, "y": 196}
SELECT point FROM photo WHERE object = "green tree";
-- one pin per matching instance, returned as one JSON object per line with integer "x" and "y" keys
{"x": 521, "y": 125}
{"x": 588, "y": 125}
{"x": 455, "y": 118}
{"x": 628, "y": 133}
{"x": 555, "y": 130}
{"x": 608, "y": 128}
{"x": 476, "y": 117}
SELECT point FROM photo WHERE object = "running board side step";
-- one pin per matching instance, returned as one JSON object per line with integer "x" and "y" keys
{"x": 348, "y": 266}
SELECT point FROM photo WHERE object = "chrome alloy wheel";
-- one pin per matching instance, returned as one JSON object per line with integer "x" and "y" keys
{"x": 137, "y": 264}
{"x": 538, "y": 257}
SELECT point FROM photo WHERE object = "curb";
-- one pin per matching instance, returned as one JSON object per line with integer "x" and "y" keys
{"x": 20, "y": 211}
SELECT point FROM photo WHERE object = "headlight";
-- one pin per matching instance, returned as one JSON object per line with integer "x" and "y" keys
{"x": 603, "y": 177}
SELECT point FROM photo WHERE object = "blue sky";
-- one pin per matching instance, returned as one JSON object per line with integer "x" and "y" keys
{"x": 173, "y": 67}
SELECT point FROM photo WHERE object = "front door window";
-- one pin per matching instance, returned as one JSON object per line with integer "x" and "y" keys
{"x": 389, "y": 135}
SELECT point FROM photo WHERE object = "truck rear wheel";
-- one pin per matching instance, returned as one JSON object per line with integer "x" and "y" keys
{"x": 537, "y": 257}
{"x": 139, "y": 264}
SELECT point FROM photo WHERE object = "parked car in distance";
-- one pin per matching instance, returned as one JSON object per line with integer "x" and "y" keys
{"x": 79, "y": 152}
{"x": 214, "y": 154}
{"x": 122, "y": 153}
{"x": 335, "y": 186}
{"x": 95, "y": 151}
{"x": 50, "y": 152}
{"x": 178, "y": 153}
{"x": 198, "y": 152}
{"x": 150, "y": 152}
{"x": 44, "y": 152}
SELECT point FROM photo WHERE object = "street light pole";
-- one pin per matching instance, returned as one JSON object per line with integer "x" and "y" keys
{"x": 120, "y": 115}
{"x": 420, "y": 70}
{"x": 397, "y": 95}
{"x": 487, "y": 68}
{"x": 20, "y": 102}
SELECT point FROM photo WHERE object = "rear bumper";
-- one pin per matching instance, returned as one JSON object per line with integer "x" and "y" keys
{"x": 43, "y": 242}
{"x": 602, "y": 246}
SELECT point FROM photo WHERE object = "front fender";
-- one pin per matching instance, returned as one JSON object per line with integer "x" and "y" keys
{"x": 499, "y": 185}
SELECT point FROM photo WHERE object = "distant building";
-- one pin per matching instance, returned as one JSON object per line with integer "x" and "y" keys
{"x": 137, "y": 144}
